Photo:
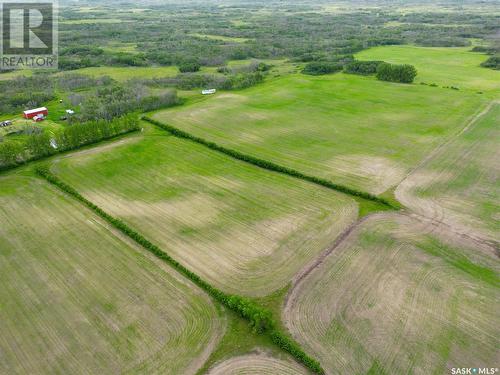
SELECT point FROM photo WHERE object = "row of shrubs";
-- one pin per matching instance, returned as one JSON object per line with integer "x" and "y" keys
{"x": 260, "y": 318}
{"x": 269, "y": 165}
{"x": 37, "y": 144}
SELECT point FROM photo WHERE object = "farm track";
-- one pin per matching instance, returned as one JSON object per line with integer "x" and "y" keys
{"x": 476, "y": 117}
{"x": 308, "y": 269}
{"x": 437, "y": 211}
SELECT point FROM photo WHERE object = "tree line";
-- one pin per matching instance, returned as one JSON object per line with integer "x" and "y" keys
{"x": 42, "y": 144}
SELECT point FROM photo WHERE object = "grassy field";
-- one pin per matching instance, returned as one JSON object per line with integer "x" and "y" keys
{"x": 245, "y": 229}
{"x": 353, "y": 130}
{"x": 396, "y": 298}
{"x": 76, "y": 298}
{"x": 123, "y": 74}
{"x": 443, "y": 66}
{"x": 91, "y": 21}
{"x": 460, "y": 185}
{"x": 257, "y": 364}
{"x": 220, "y": 38}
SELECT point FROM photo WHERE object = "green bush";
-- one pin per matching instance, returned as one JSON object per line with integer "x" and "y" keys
{"x": 396, "y": 73}
{"x": 493, "y": 63}
{"x": 362, "y": 67}
{"x": 322, "y": 67}
{"x": 189, "y": 67}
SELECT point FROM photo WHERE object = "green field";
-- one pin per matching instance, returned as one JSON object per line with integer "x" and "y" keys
{"x": 221, "y": 38}
{"x": 353, "y": 130}
{"x": 460, "y": 184}
{"x": 244, "y": 229}
{"x": 123, "y": 74}
{"x": 398, "y": 297}
{"x": 91, "y": 21}
{"x": 77, "y": 298}
{"x": 443, "y": 66}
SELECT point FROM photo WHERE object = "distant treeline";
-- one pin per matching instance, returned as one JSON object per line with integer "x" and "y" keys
{"x": 169, "y": 33}
{"x": 42, "y": 144}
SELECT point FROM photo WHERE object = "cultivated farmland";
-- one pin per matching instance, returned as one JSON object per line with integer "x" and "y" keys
{"x": 459, "y": 185}
{"x": 244, "y": 229}
{"x": 77, "y": 298}
{"x": 257, "y": 364}
{"x": 353, "y": 130}
{"x": 399, "y": 297}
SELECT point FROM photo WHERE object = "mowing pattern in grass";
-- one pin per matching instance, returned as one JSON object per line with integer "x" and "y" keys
{"x": 261, "y": 163}
{"x": 448, "y": 67}
{"x": 395, "y": 299}
{"x": 76, "y": 298}
{"x": 355, "y": 131}
{"x": 259, "y": 317}
{"x": 460, "y": 185}
{"x": 244, "y": 229}
{"x": 257, "y": 364}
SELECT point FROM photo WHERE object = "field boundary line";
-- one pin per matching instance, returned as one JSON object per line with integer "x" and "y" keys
{"x": 271, "y": 166}
{"x": 435, "y": 152}
{"x": 259, "y": 318}
{"x": 318, "y": 261}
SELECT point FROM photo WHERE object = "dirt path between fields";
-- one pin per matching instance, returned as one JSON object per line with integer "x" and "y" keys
{"x": 318, "y": 261}
{"x": 431, "y": 210}
{"x": 475, "y": 118}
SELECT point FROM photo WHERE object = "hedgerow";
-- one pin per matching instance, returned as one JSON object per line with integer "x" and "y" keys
{"x": 261, "y": 319}
{"x": 40, "y": 145}
{"x": 269, "y": 165}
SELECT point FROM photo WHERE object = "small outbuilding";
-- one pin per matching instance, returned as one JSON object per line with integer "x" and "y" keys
{"x": 36, "y": 112}
{"x": 209, "y": 92}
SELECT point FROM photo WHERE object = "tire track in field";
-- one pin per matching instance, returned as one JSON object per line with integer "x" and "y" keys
{"x": 432, "y": 210}
{"x": 308, "y": 269}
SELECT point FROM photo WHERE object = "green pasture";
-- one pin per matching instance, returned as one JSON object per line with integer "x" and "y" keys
{"x": 456, "y": 67}
{"x": 354, "y": 130}
{"x": 244, "y": 229}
